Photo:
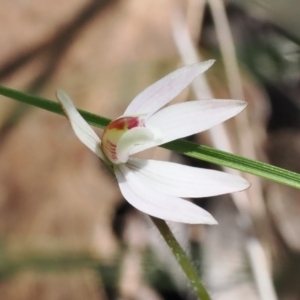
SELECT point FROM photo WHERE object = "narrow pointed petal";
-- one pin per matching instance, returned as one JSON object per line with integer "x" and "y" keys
{"x": 81, "y": 128}
{"x": 163, "y": 91}
{"x": 187, "y": 118}
{"x": 184, "y": 181}
{"x": 157, "y": 204}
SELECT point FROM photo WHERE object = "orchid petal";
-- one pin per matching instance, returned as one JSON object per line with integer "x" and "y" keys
{"x": 163, "y": 91}
{"x": 157, "y": 204}
{"x": 187, "y": 118}
{"x": 81, "y": 128}
{"x": 184, "y": 181}
{"x": 132, "y": 138}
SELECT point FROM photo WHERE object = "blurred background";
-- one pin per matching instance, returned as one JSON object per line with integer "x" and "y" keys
{"x": 65, "y": 230}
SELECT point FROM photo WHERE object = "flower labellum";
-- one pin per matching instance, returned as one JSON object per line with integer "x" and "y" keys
{"x": 113, "y": 134}
{"x": 156, "y": 187}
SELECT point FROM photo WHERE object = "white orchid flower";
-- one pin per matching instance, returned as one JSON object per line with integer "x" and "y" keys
{"x": 157, "y": 187}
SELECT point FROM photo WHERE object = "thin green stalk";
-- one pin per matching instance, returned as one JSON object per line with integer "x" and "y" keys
{"x": 181, "y": 258}
{"x": 181, "y": 146}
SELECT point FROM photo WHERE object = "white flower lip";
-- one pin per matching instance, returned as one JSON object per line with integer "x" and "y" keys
{"x": 154, "y": 187}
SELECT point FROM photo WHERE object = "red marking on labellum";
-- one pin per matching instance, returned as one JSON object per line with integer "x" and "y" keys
{"x": 133, "y": 122}
{"x": 125, "y": 123}
{"x": 112, "y": 149}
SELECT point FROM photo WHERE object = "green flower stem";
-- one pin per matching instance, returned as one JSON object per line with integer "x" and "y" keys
{"x": 181, "y": 146}
{"x": 181, "y": 258}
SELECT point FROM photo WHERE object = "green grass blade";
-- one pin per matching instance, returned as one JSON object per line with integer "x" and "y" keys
{"x": 235, "y": 162}
{"x": 52, "y": 106}
{"x": 181, "y": 146}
